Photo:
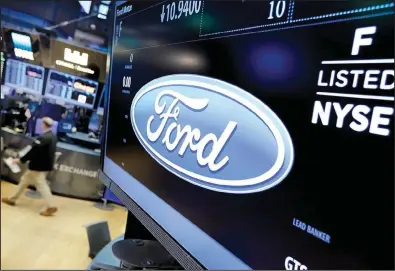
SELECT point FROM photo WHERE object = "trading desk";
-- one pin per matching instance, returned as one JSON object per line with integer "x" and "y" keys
{"x": 83, "y": 137}
{"x": 75, "y": 172}
{"x": 84, "y": 140}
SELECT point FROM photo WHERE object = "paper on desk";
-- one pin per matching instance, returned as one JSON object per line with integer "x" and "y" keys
{"x": 14, "y": 167}
{"x": 25, "y": 150}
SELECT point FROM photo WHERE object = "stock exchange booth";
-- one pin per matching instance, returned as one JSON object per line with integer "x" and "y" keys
{"x": 67, "y": 87}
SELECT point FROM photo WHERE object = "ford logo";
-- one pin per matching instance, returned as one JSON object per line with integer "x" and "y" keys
{"x": 212, "y": 134}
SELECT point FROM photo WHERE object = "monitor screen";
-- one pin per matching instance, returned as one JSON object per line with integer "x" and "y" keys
{"x": 258, "y": 134}
{"x": 33, "y": 107}
{"x": 24, "y": 76}
{"x": 66, "y": 126}
{"x": 103, "y": 11}
{"x": 22, "y": 45}
{"x": 95, "y": 122}
{"x": 71, "y": 89}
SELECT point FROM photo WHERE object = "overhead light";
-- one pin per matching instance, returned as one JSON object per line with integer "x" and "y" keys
{"x": 103, "y": 11}
{"x": 86, "y": 6}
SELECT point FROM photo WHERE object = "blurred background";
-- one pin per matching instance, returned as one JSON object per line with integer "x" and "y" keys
{"x": 54, "y": 64}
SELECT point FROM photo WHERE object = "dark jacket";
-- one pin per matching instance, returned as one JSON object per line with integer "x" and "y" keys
{"x": 42, "y": 154}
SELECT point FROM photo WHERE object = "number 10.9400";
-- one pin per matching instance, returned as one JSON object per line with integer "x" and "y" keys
{"x": 185, "y": 8}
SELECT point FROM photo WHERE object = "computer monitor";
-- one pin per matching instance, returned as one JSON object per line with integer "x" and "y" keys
{"x": 256, "y": 134}
{"x": 24, "y": 76}
{"x": 94, "y": 122}
{"x": 22, "y": 44}
{"x": 34, "y": 107}
{"x": 71, "y": 89}
{"x": 66, "y": 126}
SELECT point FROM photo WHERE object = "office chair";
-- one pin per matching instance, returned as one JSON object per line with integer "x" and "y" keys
{"x": 98, "y": 237}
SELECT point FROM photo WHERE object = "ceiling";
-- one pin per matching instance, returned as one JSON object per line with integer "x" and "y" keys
{"x": 44, "y": 13}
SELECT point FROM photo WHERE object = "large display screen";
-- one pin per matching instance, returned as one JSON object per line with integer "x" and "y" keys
{"x": 71, "y": 89}
{"x": 24, "y": 46}
{"x": 258, "y": 134}
{"x": 24, "y": 76}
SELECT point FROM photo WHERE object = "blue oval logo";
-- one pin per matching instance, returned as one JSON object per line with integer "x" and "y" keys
{"x": 212, "y": 134}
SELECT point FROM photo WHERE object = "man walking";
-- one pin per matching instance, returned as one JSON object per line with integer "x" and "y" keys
{"x": 41, "y": 159}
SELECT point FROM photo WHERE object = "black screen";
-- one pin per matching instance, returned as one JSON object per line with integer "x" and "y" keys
{"x": 335, "y": 208}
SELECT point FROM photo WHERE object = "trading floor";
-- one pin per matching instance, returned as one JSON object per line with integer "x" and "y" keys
{"x": 31, "y": 241}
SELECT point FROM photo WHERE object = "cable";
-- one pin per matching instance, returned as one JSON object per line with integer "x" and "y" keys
{"x": 70, "y": 22}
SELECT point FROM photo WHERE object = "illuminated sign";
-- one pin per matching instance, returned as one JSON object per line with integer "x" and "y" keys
{"x": 75, "y": 60}
{"x": 23, "y": 54}
{"x": 377, "y": 86}
{"x": 293, "y": 264}
{"x": 74, "y": 67}
{"x": 78, "y": 60}
{"x": 155, "y": 119}
{"x": 76, "y": 57}
{"x": 124, "y": 10}
{"x": 86, "y": 88}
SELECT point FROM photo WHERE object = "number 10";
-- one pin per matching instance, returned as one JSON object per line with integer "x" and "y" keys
{"x": 280, "y": 9}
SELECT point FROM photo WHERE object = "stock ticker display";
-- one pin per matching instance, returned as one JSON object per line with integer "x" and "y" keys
{"x": 24, "y": 75}
{"x": 71, "y": 89}
{"x": 268, "y": 124}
